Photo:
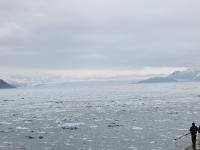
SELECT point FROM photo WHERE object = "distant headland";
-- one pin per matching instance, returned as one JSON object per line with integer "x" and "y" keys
{"x": 5, "y": 85}
{"x": 177, "y": 76}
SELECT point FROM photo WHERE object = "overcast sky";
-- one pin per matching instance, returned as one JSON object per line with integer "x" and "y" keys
{"x": 99, "y": 34}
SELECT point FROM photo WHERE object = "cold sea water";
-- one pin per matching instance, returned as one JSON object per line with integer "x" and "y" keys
{"x": 98, "y": 116}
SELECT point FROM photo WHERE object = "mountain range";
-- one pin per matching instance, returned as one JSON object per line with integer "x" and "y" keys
{"x": 177, "y": 76}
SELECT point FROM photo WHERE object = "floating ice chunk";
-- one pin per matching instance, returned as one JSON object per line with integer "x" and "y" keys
{"x": 73, "y": 124}
{"x": 152, "y": 142}
{"x": 2, "y": 146}
{"x": 27, "y": 122}
{"x": 21, "y": 128}
{"x": 93, "y": 126}
{"x": 68, "y": 144}
{"x": 5, "y": 123}
{"x": 48, "y": 127}
{"x": 163, "y": 120}
{"x": 8, "y": 143}
{"x": 137, "y": 128}
{"x": 60, "y": 111}
{"x": 182, "y": 129}
{"x": 41, "y": 132}
{"x": 133, "y": 148}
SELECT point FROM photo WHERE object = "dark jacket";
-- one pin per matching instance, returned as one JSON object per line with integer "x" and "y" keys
{"x": 193, "y": 130}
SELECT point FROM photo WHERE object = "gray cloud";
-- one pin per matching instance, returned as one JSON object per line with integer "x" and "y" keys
{"x": 99, "y": 34}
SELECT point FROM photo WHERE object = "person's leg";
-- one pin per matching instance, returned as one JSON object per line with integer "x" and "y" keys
{"x": 194, "y": 141}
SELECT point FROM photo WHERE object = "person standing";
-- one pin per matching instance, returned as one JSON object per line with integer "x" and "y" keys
{"x": 199, "y": 129}
{"x": 193, "y": 132}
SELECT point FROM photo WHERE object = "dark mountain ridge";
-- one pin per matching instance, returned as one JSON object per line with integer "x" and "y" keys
{"x": 5, "y": 85}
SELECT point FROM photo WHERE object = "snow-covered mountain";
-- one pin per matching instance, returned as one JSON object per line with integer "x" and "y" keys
{"x": 190, "y": 75}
